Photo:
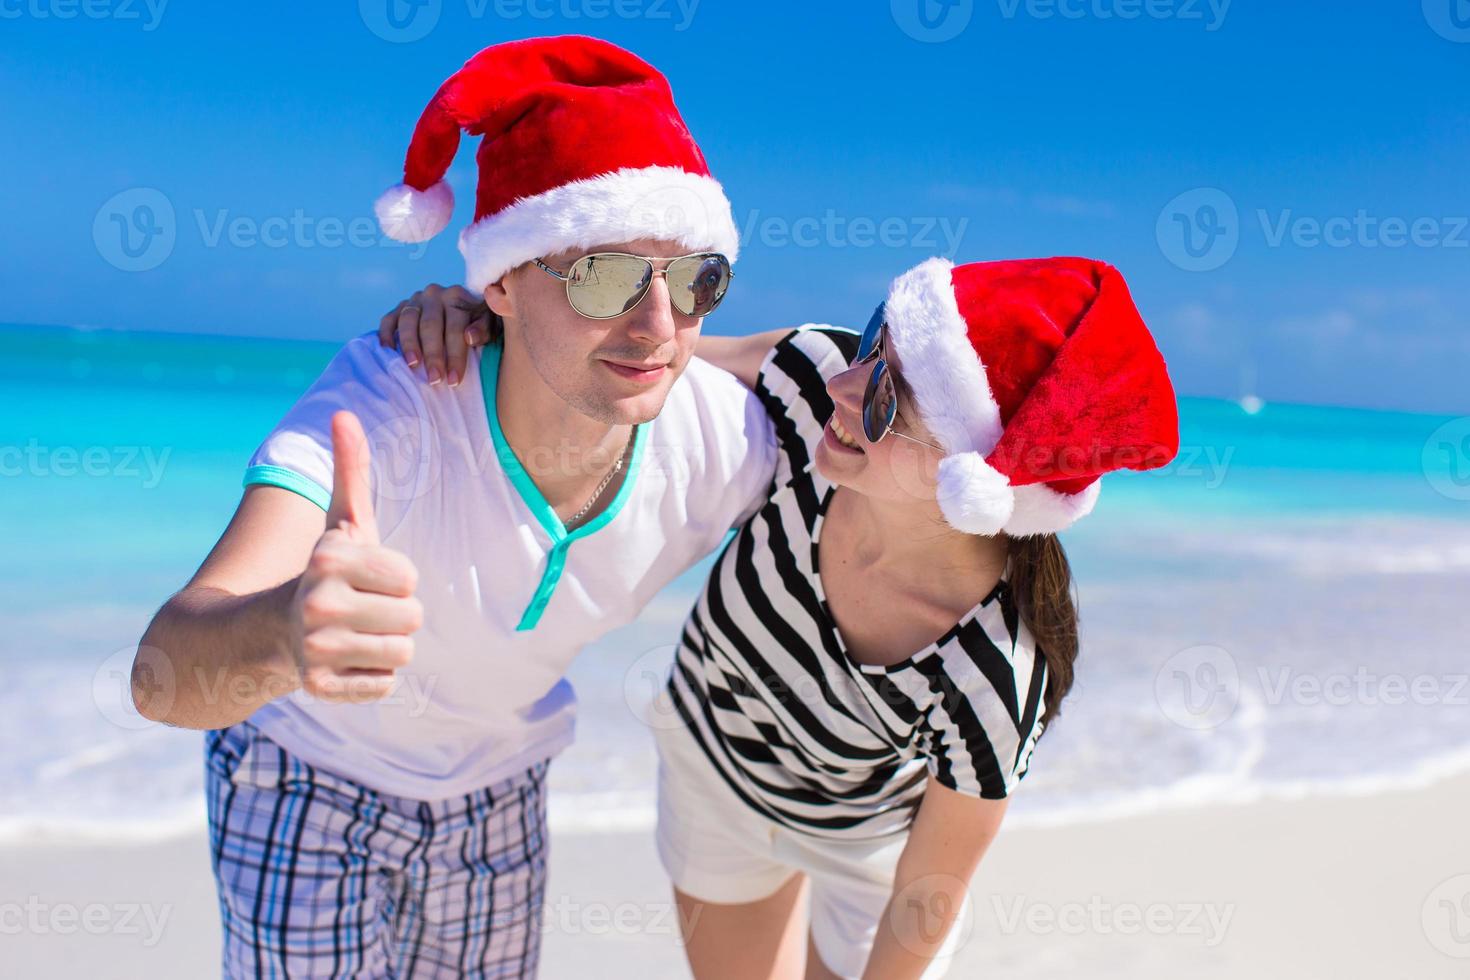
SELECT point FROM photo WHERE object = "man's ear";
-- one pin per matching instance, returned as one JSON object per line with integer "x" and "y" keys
{"x": 500, "y": 296}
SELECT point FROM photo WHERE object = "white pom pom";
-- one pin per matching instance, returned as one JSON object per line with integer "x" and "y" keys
{"x": 974, "y": 496}
{"x": 407, "y": 214}
{"x": 1042, "y": 510}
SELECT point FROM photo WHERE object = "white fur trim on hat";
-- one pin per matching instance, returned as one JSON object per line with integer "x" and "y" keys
{"x": 939, "y": 363}
{"x": 974, "y": 496}
{"x": 943, "y": 370}
{"x": 407, "y": 214}
{"x": 664, "y": 203}
{"x": 1041, "y": 510}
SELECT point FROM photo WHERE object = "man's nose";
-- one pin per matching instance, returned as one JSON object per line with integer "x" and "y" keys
{"x": 652, "y": 321}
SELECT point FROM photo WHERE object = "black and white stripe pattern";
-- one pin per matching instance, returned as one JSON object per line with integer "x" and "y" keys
{"x": 798, "y": 729}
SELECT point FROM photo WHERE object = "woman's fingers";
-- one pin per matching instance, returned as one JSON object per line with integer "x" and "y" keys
{"x": 456, "y": 351}
{"x": 408, "y": 334}
{"x": 431, "y": 333}
{"x": 477, "y": 334}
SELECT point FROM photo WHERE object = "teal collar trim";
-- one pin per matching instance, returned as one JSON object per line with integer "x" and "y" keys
{"x": 561, "y": 538}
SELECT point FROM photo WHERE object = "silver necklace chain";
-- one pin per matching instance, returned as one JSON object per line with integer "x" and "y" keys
{"x": 597, "y": 494}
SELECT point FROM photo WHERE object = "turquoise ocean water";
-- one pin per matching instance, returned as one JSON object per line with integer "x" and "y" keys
{"x": 1280, "y": 611}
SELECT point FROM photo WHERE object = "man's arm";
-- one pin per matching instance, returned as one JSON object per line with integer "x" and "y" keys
{"x": 287, "y": 599}
{"x": 950, "y": 834}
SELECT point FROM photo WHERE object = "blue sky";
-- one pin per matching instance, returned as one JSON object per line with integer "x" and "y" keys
{"x": 1284, "y": 184}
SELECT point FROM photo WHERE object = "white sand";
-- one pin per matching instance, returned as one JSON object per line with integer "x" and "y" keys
{"x": 1335, "y": 887}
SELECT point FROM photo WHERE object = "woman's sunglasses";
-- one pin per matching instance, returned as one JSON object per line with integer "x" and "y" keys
{"x": 603, "y": 285}
{"x": 880, "y": 401}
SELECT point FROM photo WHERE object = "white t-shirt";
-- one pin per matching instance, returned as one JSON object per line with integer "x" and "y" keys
{"x": 509, "y": 595}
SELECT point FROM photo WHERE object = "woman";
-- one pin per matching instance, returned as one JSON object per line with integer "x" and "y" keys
{"x": 861, "y": 685}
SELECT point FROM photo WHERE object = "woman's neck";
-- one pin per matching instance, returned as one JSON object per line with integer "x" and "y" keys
{"x": 912, "y": 541}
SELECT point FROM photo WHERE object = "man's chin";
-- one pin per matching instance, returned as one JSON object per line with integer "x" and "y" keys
{"x": 624, "y": 409}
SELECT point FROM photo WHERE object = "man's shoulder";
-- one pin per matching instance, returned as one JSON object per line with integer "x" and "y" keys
{"x": 365, "y": 370}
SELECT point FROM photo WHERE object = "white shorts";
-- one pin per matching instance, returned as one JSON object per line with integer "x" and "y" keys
{"x": 717, "y": 849}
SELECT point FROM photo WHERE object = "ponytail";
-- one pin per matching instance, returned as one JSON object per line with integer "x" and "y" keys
{"x": 1041, "y": 581}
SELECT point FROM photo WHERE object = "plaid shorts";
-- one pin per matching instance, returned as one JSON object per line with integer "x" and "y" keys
{"x": 321, "y": 877}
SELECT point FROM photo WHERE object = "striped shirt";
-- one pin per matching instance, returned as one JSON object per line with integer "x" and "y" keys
{"x": 799, "y": 729}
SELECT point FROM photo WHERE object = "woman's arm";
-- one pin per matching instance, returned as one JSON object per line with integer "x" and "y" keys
{"x": 741, "y": 356}
{"x": 950, "y": 835}
{"x": 438, "y": 325}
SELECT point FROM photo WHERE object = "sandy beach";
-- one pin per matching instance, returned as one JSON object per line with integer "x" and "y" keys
{"x": 1334, "y": 886}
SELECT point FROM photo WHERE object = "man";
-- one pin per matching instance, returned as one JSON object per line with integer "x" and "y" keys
{"x": 378, "y": 641}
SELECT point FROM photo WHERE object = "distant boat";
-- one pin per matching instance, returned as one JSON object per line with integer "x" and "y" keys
{"x": 1250, "y": 403}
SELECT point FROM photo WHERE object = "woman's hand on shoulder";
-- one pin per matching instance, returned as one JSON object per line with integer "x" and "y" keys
{"x": 436, "y": 327}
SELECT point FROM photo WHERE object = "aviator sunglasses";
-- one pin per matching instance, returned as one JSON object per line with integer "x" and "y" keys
{"x": 880, "y": 401}
{"x": 604, "y": 285}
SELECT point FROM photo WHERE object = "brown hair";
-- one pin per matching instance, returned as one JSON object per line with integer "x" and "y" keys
{"x": 1041, "y": 580}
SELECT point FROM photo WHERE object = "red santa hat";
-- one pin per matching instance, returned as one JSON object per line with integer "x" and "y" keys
{"x": 583, "y": 146}
{"x": 1037, "y": 377}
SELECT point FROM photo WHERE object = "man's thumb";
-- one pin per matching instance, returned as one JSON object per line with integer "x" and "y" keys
{"x": 352, "y": 491}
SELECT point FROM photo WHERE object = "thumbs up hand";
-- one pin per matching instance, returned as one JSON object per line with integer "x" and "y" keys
{"x": 354, "y": 610}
